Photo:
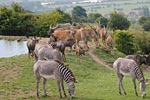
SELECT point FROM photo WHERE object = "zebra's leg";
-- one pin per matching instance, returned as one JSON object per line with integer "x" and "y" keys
{"x": 44, "y": 90}
{"x": 62, "y": 85}
{"x": 29, "y": 52}
{"x": 120, "y": 85}
{"x": 37, "y": 76}
{"x": 121, "y": 78}
{"x": 37, "y": 86}
{"x": 59, "y": 88}
{"x": 134, "y": 83}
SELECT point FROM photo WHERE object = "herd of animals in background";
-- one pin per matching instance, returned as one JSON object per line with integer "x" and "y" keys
{"x": 49, "y": 58}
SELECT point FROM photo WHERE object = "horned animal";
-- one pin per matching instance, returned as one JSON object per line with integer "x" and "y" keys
{"x": 31, "y": 45}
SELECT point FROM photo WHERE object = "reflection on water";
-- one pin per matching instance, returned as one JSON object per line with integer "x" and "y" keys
{"x": 12, "y": 48}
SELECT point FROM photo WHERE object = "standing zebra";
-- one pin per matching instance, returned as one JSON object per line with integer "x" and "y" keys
{"x": 54, "y": 70}
{"x": 124, "y": 66}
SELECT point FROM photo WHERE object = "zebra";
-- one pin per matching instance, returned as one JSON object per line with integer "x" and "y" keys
{"x": 51, "y": 69}
{"x": 128, "y": 67}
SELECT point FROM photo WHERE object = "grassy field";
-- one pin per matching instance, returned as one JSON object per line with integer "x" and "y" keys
{"x": 17, "y": 81}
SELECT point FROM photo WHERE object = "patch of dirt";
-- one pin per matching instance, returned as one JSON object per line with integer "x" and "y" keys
{"x": 99, "y": 61}
{"x": 8, "y": 74}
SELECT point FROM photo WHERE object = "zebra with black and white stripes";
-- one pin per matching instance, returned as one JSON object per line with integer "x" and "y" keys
{"x": 128, "y": 67}
{"x": 52, "y": 69}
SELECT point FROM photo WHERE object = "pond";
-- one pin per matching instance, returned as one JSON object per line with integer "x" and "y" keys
{"x": 12, "y": 48}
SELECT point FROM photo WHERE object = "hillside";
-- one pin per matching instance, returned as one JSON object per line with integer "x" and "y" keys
{"x": 17, "y": 80}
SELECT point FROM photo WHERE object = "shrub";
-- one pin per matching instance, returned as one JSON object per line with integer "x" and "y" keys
{"x": 124, "y": 41}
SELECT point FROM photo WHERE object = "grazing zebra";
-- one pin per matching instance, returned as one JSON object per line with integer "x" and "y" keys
{"x": 124, "y": 66}
{"x": 54, "y": 70}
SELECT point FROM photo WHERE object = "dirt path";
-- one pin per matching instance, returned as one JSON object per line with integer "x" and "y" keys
{"x": 109, "y": 66}
{"x": 99, "y": 61}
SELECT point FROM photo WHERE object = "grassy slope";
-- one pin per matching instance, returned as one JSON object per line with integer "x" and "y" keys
{"x": 17, "y": 81}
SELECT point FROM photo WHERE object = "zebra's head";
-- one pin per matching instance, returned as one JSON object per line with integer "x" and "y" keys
{"x": 142, "y": 88}
{"x": 71, "y": 87}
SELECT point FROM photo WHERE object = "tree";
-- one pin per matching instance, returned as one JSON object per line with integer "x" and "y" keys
{"x": 145, "y": 22}
{"x": 92, "y": 17}
{"x": 45, "y": 20}
{"x": 103, "y": 21}
{"x": 143, "y": 41}
{"x": 118, "y": 21}
{"x": 124, "y": 41}
{"x": 79, "y": 14}
{"x": 17, "y": 8}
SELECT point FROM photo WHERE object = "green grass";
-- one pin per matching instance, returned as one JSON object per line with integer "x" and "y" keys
{"x": 17, "y": 81}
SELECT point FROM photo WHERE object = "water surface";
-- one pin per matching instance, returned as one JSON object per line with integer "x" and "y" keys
{"x": 12, "y": 48}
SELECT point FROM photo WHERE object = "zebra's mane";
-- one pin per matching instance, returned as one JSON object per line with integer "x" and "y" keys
{"x": 62, "y": 64}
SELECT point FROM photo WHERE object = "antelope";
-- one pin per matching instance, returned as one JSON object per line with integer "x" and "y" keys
{"x": 124, "y": 67}
{"x": 51, "y": 69}
{"x": 31, "y": 45}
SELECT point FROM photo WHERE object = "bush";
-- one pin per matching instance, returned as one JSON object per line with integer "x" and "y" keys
{"x": 124, "y": 41}
{"x": 143, "y": 41}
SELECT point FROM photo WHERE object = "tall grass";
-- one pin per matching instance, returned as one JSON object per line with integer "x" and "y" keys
{"x": 17, "y": 81}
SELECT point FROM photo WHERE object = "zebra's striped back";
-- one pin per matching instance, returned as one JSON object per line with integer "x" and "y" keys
{"x": 138, "y": 73}
{"x": 66, "y": 72}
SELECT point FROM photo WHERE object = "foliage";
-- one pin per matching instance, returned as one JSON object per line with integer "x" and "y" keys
{"x": 143, "y": 41}
{"x": 17, "y": 21}
{"x": 92, "y": 17}
{"x": 103, "y": 21}
{"x": 14, "y": 21}
{"x": 124, "y": 41}
{"x": 118, "y": 21}
{"x": 79, "y": 14}
{"x": 44, "y": 21}
{"x": 145, "y": 22}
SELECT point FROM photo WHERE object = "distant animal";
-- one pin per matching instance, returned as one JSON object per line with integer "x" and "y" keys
{"x": 85, "y": 35}
{"x": 138, "y": 58}
{"x": 52, "y": 39}
{"x": 69, "y": 43}
{"x": 59, "y": 27}
{"x": 147, "y": 59}
{"x": 110, "y": 42}
{"x": 61, "y": 46}
{"x": 49, "y": 53}
{"x": 102, "y": 31}
{"x": 31, "y": 45}
{"x": 63, "y": 34}
{"x": 38, "y": 46}
{"x": 57, "y": 71}
{"x": 80, "y": 51}
{"x": 124, "y": 66}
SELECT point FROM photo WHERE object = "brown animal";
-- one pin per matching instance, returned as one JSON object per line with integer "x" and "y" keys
{"x": 80, "y": 51}
{"x": 63, "y": 34}
{"x": 102, "y": 32}
{"x": 109, "y": 41}
{"x": 85, "y": 35}
{"x": 59, "y": 27}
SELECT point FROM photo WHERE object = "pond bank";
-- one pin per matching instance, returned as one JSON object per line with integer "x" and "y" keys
{"x": 19, "y": 38}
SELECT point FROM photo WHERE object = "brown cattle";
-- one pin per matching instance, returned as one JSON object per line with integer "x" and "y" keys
{"x": 63, "y": 34}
